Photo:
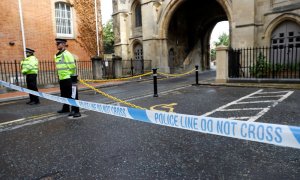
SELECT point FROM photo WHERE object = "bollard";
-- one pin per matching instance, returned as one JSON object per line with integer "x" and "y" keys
{"x": 155, "y": 81}
{"x": 197, "y": 74}
{"x": 75, "y": 110}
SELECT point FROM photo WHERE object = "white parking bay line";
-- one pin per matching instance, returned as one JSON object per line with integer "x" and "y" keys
{"x": 256, "y": 102}
{"x": 233, "y": 102}
{"x": 275, "y": 96}
{"x": 275, "y": 92}
{"x": 254, "y": 118}
{"x": 262, "y": 110}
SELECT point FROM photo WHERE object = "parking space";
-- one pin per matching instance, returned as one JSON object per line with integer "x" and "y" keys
{"x": 260, "y": 103}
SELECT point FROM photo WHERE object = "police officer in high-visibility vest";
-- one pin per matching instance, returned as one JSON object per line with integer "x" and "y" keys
{"x": 66, "y": 67}
{"x": 29, "y": 67}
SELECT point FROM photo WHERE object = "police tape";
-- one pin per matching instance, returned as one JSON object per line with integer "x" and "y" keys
{"x": 176, "y": 75}
{"x": 280, "y": 135}
{"x": 118, "y": 79}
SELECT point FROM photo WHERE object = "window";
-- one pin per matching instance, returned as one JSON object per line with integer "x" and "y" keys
{"x": 63, "y": 18}
{"x": 138, "y": 15}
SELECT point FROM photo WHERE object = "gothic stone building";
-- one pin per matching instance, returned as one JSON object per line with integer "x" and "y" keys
{"x": 175, "y": 34}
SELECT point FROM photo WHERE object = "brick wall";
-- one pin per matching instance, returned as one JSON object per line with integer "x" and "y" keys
{"x": 39, "y": 25}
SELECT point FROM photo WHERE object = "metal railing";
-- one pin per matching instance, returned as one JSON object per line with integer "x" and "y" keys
{"x": 10, "y": 71}
{"x": 135, "y": 67}
{"x": 129, "y": 67}
{"x": 279, "y": 62}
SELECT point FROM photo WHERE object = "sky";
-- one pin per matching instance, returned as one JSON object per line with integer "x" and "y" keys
{"x": 219, "y": 29}
{"x": 106, "y": 10}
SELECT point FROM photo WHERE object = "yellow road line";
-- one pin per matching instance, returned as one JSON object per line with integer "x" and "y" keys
{"x": 6, "y": 103}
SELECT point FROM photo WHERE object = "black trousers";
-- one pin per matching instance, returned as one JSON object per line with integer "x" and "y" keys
{"x": 66, "y": 92}
{"x": 31, "y": 84}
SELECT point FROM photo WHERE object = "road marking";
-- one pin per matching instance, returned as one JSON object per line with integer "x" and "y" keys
{"x": 275, "y": 92}
{"x": 255, "y": 102}
{"x": 253, "y": 96}
{"x": 6, "y": 103}
{"x": 168, "y": 107}
{"x": 233, "y": 102}
{"x": 239, "y": 118}
{"x": 13, "y": 121}
{"x": 266, "y": 96}
{"x": 242, "y": 109}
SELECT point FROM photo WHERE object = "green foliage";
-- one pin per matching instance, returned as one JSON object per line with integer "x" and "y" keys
{"x": 108, "y": 37}
{"x": 213, "y": 54}
{"x": 262, "y": 68}
{"x": 223, "y": 39}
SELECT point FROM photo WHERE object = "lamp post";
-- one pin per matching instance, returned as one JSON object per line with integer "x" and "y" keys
{"x": 97, "y": 30}
{"x": 22, "y": 27}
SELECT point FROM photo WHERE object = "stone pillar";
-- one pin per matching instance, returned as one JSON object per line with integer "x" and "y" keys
{"x": 222, "y": 64}
{"x": 97, "y": 67}
{"x": 117, "y": 63}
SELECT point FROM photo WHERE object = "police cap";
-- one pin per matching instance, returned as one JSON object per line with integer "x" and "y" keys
{"x": 28, "y": 50}
{"x": 58, "y": 40}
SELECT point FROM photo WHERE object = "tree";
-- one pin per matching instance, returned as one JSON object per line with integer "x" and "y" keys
{"x": 108, "y": 37}
{"x": 223, "y": 39}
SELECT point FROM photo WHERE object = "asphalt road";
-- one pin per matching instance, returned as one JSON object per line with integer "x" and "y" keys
{"x": 39, "y": 144}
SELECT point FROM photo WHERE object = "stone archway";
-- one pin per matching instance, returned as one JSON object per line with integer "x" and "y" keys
{"x": 186, "y": 27}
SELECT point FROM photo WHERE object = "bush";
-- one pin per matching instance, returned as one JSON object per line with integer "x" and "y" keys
{"x": 262, "y": 68}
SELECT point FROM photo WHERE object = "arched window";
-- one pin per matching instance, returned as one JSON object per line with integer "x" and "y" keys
{"x": 138, "y": 15}
{"x": 138, "y": 52}
{"x": 286, "y": 34}
{"x": 285, "y": 43}
{"x": 63, "y": 19}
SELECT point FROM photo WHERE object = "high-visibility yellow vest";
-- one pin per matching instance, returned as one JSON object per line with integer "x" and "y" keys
{"x": 65, "y": 65}
{"x": 30, "y": 65}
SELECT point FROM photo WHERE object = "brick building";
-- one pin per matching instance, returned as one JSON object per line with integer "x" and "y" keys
{"x": 43, "y": 22}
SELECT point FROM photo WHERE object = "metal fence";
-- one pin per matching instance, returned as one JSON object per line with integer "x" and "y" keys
{"x": 280, "y": 62}
{"x": 129, "y": 67}
{"x": 135, "y": 67}
{"x": 10, "y": 71}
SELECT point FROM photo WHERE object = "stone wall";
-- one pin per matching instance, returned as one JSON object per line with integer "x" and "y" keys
{"x": 251, "y": 24}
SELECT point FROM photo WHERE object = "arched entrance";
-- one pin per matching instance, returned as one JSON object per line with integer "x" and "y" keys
{"x": 189, "y": 25}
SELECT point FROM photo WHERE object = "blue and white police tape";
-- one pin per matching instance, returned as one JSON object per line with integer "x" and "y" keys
{"x": 281, "y": 135}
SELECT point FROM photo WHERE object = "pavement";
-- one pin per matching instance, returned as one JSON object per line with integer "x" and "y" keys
{"x": 14, "y": 95}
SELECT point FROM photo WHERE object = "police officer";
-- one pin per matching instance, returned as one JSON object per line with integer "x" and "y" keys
{"x": 66, "y": 67}
{"x": 29, "y": 68}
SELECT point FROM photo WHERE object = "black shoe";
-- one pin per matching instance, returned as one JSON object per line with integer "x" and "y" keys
{"x": 29, "y": 102}
{"x": 63, "y": 111}
{"x": 76, "y": 115}
{"x": 71, "y": 113}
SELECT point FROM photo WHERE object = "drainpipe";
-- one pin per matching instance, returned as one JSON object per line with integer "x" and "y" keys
{"x": 22, "y": 28}
{"x": 97, "y": 30}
